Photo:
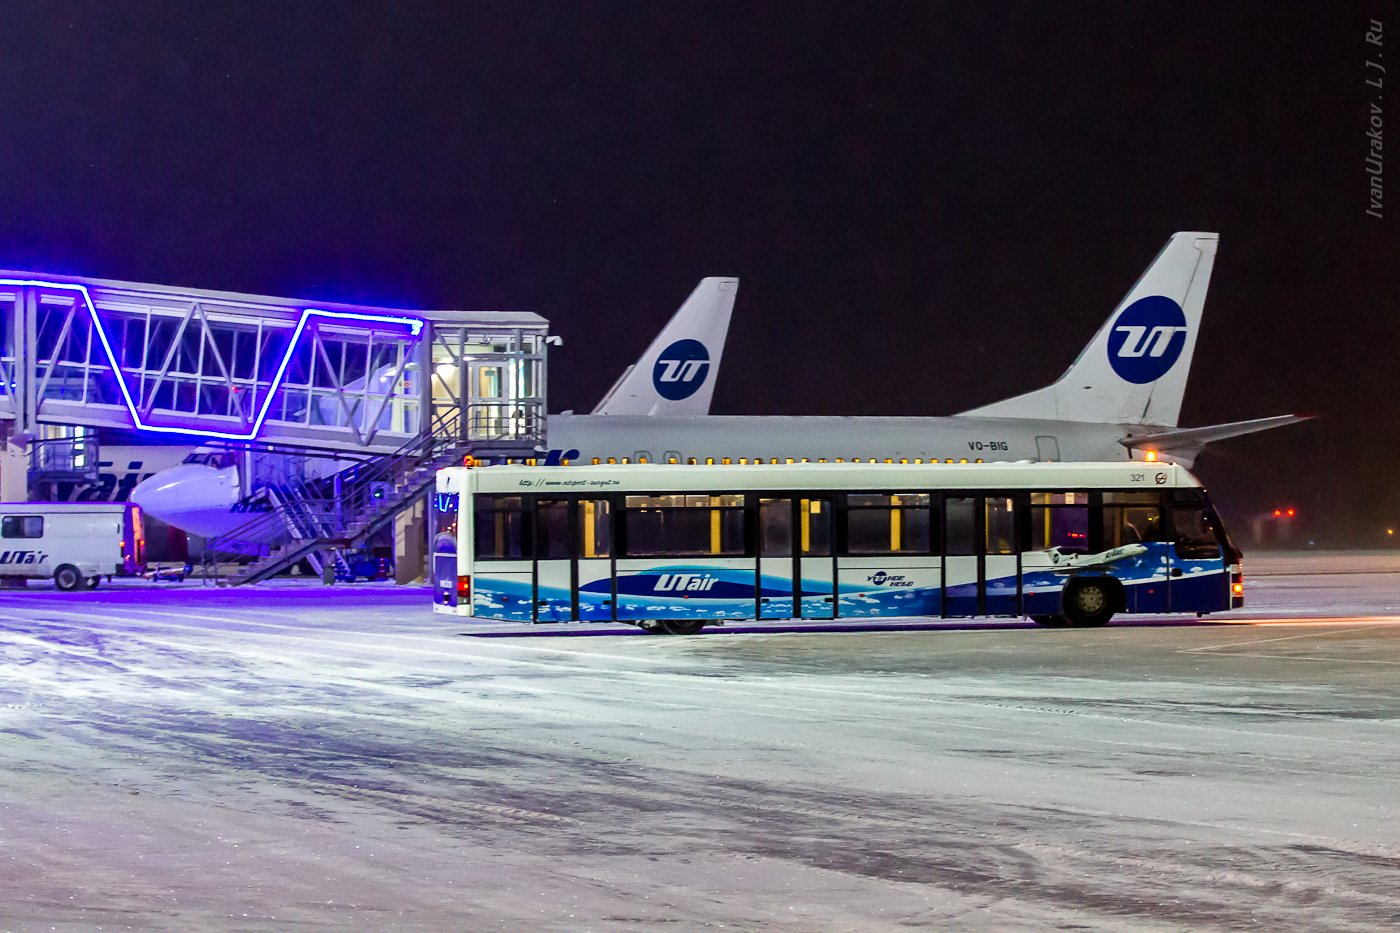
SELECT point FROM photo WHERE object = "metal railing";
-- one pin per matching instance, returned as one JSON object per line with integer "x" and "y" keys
{"x": 331, "y": 513}
{"x": 69, "y": 457}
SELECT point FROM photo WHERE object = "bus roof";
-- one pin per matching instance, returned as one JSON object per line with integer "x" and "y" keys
{"x": 657, "y": 477}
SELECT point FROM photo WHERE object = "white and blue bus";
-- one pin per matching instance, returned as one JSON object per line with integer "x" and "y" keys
{"x": 674, "y": 547}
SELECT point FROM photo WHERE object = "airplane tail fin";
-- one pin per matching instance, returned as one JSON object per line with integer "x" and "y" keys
{"x": 1134, "y": 370}
{"x": 676, "y": 375}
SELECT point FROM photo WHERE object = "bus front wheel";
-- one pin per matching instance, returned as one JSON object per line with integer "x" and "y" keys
{"x": 1089, "y": 603}
{"x": 682, "y": 626}
{"x": 68, "y": 579}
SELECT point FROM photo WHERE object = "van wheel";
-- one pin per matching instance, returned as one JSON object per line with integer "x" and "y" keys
{"x": 1089, "y": 603}
{"x": 93, "y": 582}
{"x": 68, "y": 579}
{"x": 682, "y": 626}
{"x": 1050, "y": 621}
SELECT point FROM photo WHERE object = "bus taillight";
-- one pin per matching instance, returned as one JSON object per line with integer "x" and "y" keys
{"x": 464, "y": 589}
{"x": 1236, "y": 586}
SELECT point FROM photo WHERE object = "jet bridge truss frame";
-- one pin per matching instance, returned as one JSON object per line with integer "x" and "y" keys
{"x": 244, "y": 368}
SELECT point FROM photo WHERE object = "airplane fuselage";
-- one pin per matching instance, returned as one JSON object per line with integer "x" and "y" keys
{"x": 581, "y": 438}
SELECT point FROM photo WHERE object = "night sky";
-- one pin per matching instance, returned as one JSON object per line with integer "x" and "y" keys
{"x": 931, "y": 206}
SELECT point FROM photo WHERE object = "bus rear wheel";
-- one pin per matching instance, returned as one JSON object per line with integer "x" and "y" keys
{"x": 1089, "y": 603}
{"x": 1050, "y": 621}
{"x": 68, "y": 579}
{"x": 682, "y": 626}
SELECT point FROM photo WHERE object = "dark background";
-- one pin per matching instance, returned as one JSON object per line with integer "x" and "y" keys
{"x": 931, "y": 206}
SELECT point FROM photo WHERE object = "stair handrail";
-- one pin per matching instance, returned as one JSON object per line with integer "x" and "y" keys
{"x": 257, "y": 533}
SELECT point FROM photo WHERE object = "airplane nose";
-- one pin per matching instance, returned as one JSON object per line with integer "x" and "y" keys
{"x": 179, "y": 493}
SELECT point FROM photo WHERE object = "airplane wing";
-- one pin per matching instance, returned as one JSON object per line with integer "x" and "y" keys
{"x": 1170, "y": 438}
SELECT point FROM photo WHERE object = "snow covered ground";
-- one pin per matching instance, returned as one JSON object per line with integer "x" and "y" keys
{"x": 180, "y": 757}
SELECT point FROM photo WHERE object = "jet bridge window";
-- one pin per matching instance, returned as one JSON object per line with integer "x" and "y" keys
{"x": 1060, "y": 520}
{"x": 22, "y": 526}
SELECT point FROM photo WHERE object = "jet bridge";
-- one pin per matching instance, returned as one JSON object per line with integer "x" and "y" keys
{"x": 184, "y": 364}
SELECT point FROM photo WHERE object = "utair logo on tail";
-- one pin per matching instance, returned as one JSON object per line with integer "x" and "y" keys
{"x": 681, "y": 369}
{"x": 689, "y": 582}
{"x": 1147, "y": 339}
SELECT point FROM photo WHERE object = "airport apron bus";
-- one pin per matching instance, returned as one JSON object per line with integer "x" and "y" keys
{"x": 674, "y": 547}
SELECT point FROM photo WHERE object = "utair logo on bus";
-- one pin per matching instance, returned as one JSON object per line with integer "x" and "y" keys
{"x": 680, "y": 370}
{"x": 1147, "y": 339}
{"x": 688, "y": 582}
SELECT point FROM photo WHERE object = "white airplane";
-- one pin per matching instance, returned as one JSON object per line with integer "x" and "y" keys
{"x": 210, "y": 494}
{"x": 1119, "y": 400}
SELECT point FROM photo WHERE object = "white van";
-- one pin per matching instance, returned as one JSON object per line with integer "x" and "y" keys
{"x": 75, "y": 543}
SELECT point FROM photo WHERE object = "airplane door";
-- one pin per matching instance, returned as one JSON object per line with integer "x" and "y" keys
{"x": 1047, "y": 448}
{"x": 981, "y": 567}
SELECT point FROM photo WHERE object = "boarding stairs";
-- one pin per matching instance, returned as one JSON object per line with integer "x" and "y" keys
{"x": 316, "y": 521}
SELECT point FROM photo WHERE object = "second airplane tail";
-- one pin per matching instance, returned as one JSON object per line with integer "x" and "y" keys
{"x": 1134, "y": 370}
{"x": 676, "y": 375}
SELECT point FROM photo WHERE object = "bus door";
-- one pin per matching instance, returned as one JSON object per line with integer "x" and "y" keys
{"x": 981, "y": 566}
{"x": 593, "y": 568}
{"x": 1200, "y": 553}
{"x": 573, "y": 565}
{"x": 554, "y": 565}
{"x": 1136, "y": 518}
{"x": 796, "y": 569}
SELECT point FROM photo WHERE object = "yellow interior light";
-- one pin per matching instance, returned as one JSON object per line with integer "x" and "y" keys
{"x": 979, "y": 459}
{"x": 789, "y": 460}
{"x": 744, "y": 461}
{"x": 726, "y": 461}
{"x": 612, "y": 460}
{"x": 963, "y": 460}
{"x": 709, "y": 461}
{"x": 625, "y": 460}
{"x": 949, "y": 460}
{"x": 889, "y": 460}
{"x": 595, "y": 461}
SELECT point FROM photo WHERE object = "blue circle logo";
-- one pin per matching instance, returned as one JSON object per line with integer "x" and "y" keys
{"x": 1147, "y": 339}
{"x": 681, "y": 369}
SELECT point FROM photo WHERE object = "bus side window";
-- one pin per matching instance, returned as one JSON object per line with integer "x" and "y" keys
{"x": 1060, "y": 520}
{"x": 595, "y": 528}
{"x": 22, "y": 526}
{"x": 1195, "y": 536}
{"x": 1131, "y": 518}
{"x": 775, "y": 527}
{"x": 878, "y": 523}
{"x": 960, "y": 519}
{"x": 1001, "y": 525}
{"x": 552, "y": 529}
{"x": 814, "y": 527}
{"x": 499, "y": 522}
